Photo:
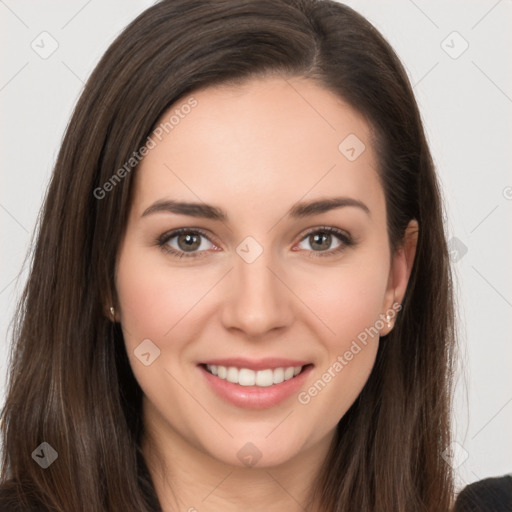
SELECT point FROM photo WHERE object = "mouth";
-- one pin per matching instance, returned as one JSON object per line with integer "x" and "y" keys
{"x": 263, "y": 386}
{"x": 263, "y": 378}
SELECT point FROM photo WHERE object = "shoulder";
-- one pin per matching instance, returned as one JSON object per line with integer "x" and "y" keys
{"x": 488, "y": 495}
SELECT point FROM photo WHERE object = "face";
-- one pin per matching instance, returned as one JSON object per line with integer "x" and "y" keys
{"x": 264, "y": 275}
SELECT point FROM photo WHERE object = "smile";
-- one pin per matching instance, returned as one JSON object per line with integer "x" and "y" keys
{"x": 261, "y": 378}
{"x": 264, "y": 386}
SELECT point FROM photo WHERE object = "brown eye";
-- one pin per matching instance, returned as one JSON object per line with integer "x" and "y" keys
{"x": 325, "y": 241}
{"x": 185, "y": 242}
{"x": 320, "y": 241}
{"x": 189, "y": 242}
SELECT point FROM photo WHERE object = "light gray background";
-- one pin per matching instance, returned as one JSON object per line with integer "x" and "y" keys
{"x": 466, "y": 103}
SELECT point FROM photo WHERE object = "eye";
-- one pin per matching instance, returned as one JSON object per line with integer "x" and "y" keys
{"x": 193, "y": 243}
{"x": 185, "y": 242}
{"x": 321, "y": 241}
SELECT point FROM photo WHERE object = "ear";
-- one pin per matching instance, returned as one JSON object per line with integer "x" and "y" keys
{"x": 108, "y": 303}
{"x": 400, "y": 271}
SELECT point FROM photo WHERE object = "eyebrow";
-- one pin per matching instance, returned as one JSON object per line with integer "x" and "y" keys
{"x": 206, "y": 211}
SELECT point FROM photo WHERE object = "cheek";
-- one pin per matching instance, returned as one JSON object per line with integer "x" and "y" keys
{"x": 349, "y": 305}
{"x": 152, "y": 298}
{"x": 347, "y": 299}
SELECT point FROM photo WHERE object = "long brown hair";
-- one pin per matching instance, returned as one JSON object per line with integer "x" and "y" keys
{"x": 70, "y": 383}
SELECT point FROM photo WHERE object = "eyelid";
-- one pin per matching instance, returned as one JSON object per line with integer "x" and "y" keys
{"x": 165, "y": 237}
{"x": 328, "y": 229}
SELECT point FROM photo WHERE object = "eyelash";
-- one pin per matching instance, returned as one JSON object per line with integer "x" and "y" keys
{"x": 345, "y": 239}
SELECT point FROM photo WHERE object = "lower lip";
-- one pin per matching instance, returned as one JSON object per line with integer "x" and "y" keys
{"x": 254, "y": 397}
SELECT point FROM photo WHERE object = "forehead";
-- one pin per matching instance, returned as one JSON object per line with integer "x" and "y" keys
{"x": 263, "y": 143}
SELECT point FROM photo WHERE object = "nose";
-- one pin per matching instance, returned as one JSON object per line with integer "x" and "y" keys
{"x": 258, "y": 300}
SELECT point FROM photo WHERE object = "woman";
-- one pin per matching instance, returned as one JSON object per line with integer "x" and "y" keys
{"x": 240, "y": 295}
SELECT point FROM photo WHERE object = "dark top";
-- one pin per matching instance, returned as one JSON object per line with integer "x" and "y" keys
{"x": 489, "y": 495}
{"x": 10, "y": 500}
{"x": 10, "y": 504}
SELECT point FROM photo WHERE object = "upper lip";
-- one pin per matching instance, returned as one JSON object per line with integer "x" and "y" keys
{"x": 256, "y": 364}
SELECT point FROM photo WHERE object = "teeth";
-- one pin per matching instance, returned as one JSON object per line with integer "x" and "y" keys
{"x": 222, "y": 371}
{"x": 261, "y": 378}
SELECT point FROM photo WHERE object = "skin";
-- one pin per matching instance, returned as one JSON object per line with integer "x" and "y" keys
{"x": 254, "y": 150}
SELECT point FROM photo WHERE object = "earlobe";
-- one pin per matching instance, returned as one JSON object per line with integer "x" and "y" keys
{"x": 109, "y": 308}
{"x": 110, "y": 313}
